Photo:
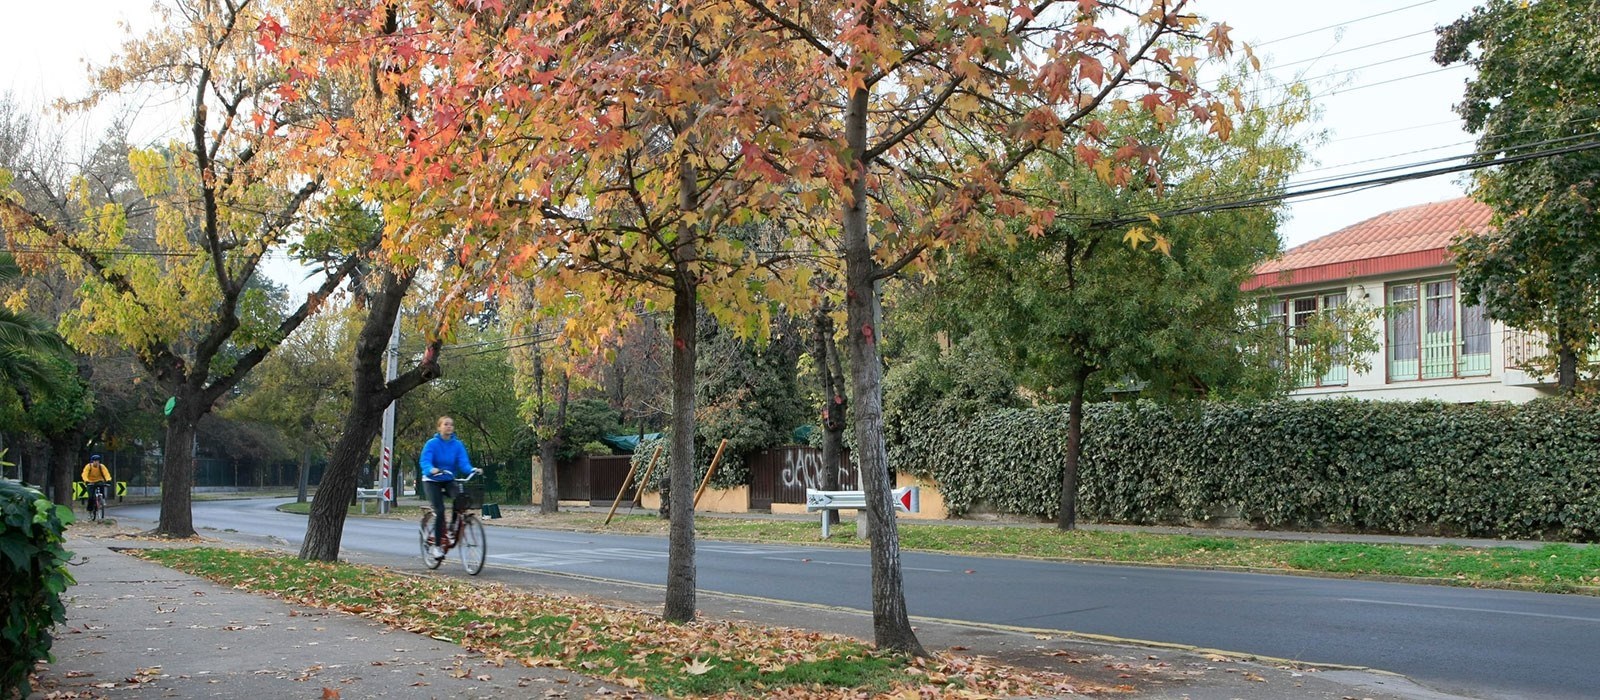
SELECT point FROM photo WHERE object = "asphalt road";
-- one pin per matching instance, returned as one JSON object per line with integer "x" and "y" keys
{"x": 1478, "y": 643}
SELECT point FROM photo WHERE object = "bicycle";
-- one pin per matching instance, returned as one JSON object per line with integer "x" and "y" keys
{"x": 465, "y": 530}
{"x": 96, "y": 502}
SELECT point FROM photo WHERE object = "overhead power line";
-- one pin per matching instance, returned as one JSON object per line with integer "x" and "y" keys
{"x": 1252, "y": 202}
{"x": 1352, "y": 49}
{"x": 1345, "y": 23}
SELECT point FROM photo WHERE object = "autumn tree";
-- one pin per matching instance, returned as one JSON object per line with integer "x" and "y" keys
{"x": 914, "y": 120}
{"x": 603, "y": 150}
{"x": 381, "y": 294}
{"x": 665, "y": 204}
{"x": 221, "y": 203}
{"x": 1537, "y": 70}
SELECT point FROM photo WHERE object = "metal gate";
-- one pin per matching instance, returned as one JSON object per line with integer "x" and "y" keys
{"x": 782, "y": 474}
{"x": 606, "y": 477}
{"x": 592, "y": 478}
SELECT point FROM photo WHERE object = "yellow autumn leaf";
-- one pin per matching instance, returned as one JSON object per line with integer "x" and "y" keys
{"x": 1135, "y": 236}
{"x": 1162, "y": 245}
{"x": 1102, "y": 170}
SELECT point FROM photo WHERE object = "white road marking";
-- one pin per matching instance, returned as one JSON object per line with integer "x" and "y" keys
{"x": 596, "y": 555}
{"x": 851, "y": 563}
{"x": 1482, "y": 610}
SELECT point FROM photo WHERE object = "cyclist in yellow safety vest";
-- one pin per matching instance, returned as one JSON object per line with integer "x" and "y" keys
{"x": 97, "y": 476}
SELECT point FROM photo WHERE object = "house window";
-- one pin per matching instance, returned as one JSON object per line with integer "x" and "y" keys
{"x": 1293, "y": 315}
{"x": 1431, "y": 336}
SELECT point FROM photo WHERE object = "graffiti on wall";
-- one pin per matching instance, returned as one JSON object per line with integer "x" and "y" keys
{"x": 803, "y": 469}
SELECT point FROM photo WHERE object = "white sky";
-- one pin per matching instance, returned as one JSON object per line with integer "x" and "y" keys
{"x": 44, "y": 47}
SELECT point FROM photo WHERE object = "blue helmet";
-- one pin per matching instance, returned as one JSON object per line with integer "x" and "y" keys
{"x": 94, "y": 458}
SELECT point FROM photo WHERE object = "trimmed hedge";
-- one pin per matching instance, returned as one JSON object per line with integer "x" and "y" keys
{"x": 33, "y": 575}
{"x": 1486, "y": 470}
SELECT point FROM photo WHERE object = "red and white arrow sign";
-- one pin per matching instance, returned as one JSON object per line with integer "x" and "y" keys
{"x": 908, "y": 499}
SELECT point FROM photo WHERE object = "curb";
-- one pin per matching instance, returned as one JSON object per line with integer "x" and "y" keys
{"x": 1010, "y": 629}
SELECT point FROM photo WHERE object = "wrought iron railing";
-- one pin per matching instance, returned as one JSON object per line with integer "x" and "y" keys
{"x": 1524, "y": 348}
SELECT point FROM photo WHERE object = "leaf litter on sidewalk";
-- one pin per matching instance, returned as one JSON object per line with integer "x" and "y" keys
{"x": 638, "y": 650}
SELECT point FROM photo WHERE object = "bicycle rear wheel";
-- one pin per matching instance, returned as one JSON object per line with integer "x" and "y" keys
{"x": 425, "y": 532}
{"x": 474, "y": 546}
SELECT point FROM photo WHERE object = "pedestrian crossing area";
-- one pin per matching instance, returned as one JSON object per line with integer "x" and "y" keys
{"x": 598, "y": 555}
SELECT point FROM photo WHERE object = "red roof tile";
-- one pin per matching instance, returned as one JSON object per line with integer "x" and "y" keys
{"x": 1404, "y": 239}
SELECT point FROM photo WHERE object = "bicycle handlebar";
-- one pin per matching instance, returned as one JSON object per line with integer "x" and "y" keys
{"x": 469, "y": 477}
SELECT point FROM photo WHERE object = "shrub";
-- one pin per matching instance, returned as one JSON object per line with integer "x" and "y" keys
{"x": 33, "y": 574}
{"x": 1485, "y": 470}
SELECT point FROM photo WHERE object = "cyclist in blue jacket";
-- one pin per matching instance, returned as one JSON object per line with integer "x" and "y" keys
{"x": 444, "y": 459}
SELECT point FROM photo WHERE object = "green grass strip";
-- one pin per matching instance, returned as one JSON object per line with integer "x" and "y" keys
{"x": 1555, "y": 567}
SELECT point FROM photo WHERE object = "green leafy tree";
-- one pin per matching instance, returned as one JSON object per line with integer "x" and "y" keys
{"x": 303, "y": 388}
{"x": 1088, "y": 307}
{"x": 26, "y": 342}
{"x": 1537, "y": 74}
{"x": 747, "y": 394}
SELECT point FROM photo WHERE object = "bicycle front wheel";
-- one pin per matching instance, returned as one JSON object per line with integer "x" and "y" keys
{"x": 423, "y": 534}
{"x": 474, "y": 546}
{"x": 100, "y": 508}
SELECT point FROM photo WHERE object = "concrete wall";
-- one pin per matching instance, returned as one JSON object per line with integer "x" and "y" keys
{"x": 737, "y": 500}
{"x": 734, "y": 500}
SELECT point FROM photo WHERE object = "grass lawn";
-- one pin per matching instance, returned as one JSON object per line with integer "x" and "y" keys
{"x": 636, "y": 649}
{"x": 1555, "y": 567}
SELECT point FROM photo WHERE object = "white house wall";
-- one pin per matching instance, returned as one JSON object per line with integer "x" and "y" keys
{"x": 1374, "y": 384}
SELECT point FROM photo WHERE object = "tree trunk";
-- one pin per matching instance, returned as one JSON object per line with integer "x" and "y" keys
{"x": 36, "y": 468}
{"x": 680, "y": 558}
{"x": 67, "y": 458}
{"x": 177, "y": 469}
{"x": 890, "y": 623}
{"x": 550, "y": 427}
{"x": 834, "y": 405}
{"x": 303, "y": 475}
{"x": 549, "y": 499}
{"x": 1068, "y": 518}
{"x": 369, "y": 396}
{"x": 1566, "y": 352}
{"x": 680, "y": 604}
{"x": 325, "y": 529}
{"x": 1566, "y": 370}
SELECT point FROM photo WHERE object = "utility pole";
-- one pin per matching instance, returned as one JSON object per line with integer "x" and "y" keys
{"x": 386, "y": 478}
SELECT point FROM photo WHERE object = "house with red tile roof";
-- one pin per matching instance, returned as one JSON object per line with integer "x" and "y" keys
{"x": 1433, "y": 344}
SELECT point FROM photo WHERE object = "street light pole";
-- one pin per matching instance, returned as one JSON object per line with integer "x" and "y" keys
{"x": 386, "y": 471}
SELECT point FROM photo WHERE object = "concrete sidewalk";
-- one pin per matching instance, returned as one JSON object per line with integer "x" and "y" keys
{"x": 136, "y": 629}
